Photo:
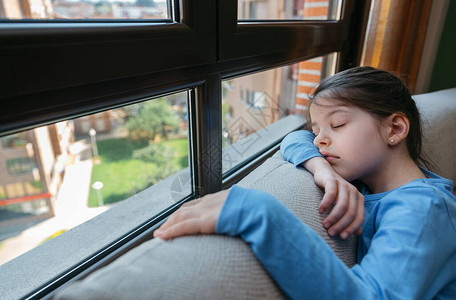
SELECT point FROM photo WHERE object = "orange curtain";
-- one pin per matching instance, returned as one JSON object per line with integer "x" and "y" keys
{"x": 395, "y": 37}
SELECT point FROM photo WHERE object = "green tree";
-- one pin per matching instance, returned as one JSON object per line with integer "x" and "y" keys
{"x": 151, "y": 120}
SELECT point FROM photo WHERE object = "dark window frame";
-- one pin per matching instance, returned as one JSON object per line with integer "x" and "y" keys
{"x": 61, "y": 70}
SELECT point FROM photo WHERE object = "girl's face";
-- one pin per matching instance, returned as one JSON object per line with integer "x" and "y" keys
{"x": 350, "y": 138}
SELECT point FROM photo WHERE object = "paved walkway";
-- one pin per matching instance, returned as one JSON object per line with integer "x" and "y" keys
{"x": 70, "y": 209}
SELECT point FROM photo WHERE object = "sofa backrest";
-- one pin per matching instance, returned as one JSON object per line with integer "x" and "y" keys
{"x": 438, "y": 110}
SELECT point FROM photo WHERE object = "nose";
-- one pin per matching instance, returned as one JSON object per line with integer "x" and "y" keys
{"x": 322, "y": 139}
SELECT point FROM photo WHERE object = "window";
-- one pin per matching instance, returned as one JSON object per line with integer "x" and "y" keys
{"x": 271, "y": 97}
{"x": 18, "y": 140}
{"x": 17, "y": 166}
{"x": 67, "y": 9}
{"x": 105, "y": 73}
{"x": 134, "y": 148}
{"x": 289, "y": 10}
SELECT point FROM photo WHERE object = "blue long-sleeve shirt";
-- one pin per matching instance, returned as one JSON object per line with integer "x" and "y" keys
{"x": 407, "y": 249}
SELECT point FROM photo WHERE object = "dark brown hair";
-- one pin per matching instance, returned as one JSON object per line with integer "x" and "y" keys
{"x": 380, "y": 93}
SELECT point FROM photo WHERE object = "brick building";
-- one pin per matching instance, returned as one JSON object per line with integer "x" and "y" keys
{"x": 31, "y": 169}
{"x": 257, "y": 100}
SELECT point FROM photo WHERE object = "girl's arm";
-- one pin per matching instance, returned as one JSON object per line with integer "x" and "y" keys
{"x": 299, "y": 261}
{"x": 298, "y": 147}
{"x": 347, "y": 216}
{"x": 410, "y": 254}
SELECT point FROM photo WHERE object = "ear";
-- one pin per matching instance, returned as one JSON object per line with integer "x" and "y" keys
{"x": 398, "y": 126}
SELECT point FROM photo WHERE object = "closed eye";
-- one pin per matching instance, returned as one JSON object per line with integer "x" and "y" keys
{"x": 338, "y": 126}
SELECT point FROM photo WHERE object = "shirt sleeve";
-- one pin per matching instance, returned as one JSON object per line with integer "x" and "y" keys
{"x": 298, "y": 147}
{"x": 304, "y": 266}
{"x": 299, "y": 261}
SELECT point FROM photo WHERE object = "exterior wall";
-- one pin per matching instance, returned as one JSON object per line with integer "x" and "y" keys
{"x": 18, "y": 187}
{"x": 44, "y": 149}
{"x": 11, "y": 9}
{"x": 7, "y": 153}
{"x": 253, "y": 102}
{"x": 309, "y": 72}
{"x": 285, "y": 89}
{"x": 45, "y": 157}
{"x": 263, "y": 9}
{"x": 309, "y": 75}
{"x": 67, "y": 9}
{"x": 101, "y": 122}
{"x": 29, "y": 9}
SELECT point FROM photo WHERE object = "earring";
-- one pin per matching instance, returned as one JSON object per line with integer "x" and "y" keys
{"x": 392, "y": 140}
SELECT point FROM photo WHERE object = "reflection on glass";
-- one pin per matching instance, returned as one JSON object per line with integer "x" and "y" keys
{"x": 261, "y": 108}
{"x": 289, "y": 10}
{"x": 55, "y": 177}
{"x": 84, "y": 9}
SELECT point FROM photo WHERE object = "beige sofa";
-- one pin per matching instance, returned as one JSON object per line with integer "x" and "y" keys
{"x": 220, "y": 267}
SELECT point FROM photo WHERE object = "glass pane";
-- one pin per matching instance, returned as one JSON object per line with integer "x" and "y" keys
{"x": 84, "y": 9}
{"x": 259, "y": 109}
{"x": 55, "y": 177}
{"x": 289, "y": 10}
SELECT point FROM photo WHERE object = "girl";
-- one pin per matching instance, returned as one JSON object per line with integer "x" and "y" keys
{"x": 364, "y": 151}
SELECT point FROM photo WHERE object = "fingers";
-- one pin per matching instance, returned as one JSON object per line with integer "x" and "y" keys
{"x": 186, "y": 220}
{"x": 185, "y": 227}
{"x": 342, "y": 204}
{"x": 183, "y": 213}
{"x": 347, "y": 216}
{"x": 351, "y": 222}
{"x": 179, "y": 216}
{"x": 195, "y": 217}
{"x": 190, "y": 203}
{"x": 329, "y": 196}
{"x": 355, "y": 226}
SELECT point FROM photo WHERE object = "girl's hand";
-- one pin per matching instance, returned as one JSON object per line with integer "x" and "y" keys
{"x": 195, "y": 217}
{"x": 347, "y": 215}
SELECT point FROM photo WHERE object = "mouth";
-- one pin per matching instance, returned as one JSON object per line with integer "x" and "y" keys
{"x": 329, "y": 157}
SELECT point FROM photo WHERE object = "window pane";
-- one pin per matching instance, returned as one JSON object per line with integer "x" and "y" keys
{"x": 84, "y": 9}
{"x": 259, "y": 109}
{"x": 55, "y": 177}
{"x": 289, "y": 10}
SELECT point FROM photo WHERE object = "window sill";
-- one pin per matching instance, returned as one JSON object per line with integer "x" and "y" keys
{"x": 249, "y": 147}
{"x": 29, "y": 271}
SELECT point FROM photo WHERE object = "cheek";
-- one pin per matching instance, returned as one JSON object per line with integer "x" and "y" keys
{"x": 362, "y": 142}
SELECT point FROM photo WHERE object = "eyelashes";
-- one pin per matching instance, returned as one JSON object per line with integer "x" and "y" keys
{"x": 338, "y": 126}
{"x": 333, "y": 127}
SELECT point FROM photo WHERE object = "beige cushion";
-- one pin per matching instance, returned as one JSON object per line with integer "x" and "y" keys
{"x": 210, "y": 267}
{"x": 196, "y": 267}
{"x": 439, "y": 118}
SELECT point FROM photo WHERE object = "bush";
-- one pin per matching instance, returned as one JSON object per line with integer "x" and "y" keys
{"x": 156, "y": 153}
